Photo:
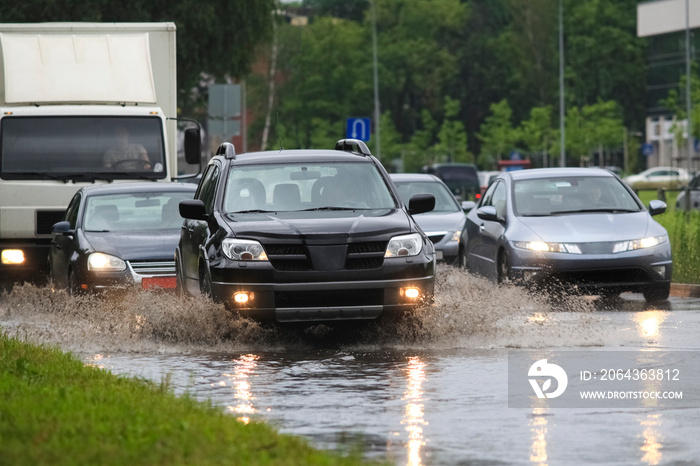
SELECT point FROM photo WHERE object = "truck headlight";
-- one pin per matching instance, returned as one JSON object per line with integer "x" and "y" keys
{"x": 243, "y": 250}
{"x": 102, "y": 261}
{"x": 642, "y": 243}
{"x": 12, "y": 256}
{"x": 404, "y": 245}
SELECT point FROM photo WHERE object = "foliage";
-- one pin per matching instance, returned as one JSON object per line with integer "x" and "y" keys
{"x": 537, "y": 133}
{"x": 497, "y": 134}
{"x": 452, "y": 137}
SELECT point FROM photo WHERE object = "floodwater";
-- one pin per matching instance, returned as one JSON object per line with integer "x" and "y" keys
{"x": 431, "y": 388}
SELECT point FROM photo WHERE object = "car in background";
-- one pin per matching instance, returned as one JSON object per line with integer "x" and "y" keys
{"x": 485, "y": 178}
{"x": 461, "y": 178}
{"x": 443, "y": 224}
{"x": 118, "y": 235}
{"x": 694, "y": 187}
{"x": 305, "y": 235}
{"x": 580, "y": 229}
{"x": 659, "y": 177}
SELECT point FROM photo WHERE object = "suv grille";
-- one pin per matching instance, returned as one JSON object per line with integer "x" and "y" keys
{"x": 153, "y": 267}
{"x": 295, "y": 257}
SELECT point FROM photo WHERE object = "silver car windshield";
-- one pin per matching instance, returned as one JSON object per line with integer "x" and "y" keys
{"x": 444, "y": 201}
{"x": 306, "y": 186}
{"x": 565, "y": 195}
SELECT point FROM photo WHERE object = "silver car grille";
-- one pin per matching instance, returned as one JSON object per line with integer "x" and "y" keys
{"x": 150, "y": 268}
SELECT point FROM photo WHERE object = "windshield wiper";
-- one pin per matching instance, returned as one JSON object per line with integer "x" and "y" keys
{"x": 332, "y": 208}
{"x": 63, "y": 178}
{"x": 134, "y": 175}
{"x": 252, "y": 211}
{"x": 580, "y": 211}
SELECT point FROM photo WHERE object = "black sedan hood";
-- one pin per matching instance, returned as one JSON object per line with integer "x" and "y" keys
{"x": 153, "y": 245}
{"x": 322, "y": 227}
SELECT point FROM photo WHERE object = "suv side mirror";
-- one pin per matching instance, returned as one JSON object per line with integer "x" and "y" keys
{"x": 192, "y": 209}
{"x": 420, "y": 203}
{"x": 193, "y": 146}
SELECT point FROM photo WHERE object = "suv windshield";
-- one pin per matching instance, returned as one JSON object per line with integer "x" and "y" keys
{"x": 306, "y": 186}
{"x": 67, "y": 148}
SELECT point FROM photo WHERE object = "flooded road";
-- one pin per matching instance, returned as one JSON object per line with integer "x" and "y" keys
{"x": 428, "y": 389}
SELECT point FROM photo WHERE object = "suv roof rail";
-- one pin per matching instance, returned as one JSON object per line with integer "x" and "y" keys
{"x": 226, "y": 149}
{"x": 348, "y": 145}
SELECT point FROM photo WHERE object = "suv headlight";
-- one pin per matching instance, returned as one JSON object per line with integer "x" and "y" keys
{"x": 102, "y": 261}
{"x": 243, "y": 250}
{"x": 631, "y": 245}
{"x": 404, "y": 245}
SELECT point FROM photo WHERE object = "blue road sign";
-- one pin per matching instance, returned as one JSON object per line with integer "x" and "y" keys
{"x": 647, "y": 149}
{"x": 358, "y": 128}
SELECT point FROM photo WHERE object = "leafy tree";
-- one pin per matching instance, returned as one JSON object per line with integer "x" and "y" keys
{"x": 497, "y": 135}
{"x": 452, "y": 137}
{"x": 537, "y": 133}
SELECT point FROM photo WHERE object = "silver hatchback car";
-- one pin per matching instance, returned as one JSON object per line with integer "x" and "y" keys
{"x": 581, "y": 228}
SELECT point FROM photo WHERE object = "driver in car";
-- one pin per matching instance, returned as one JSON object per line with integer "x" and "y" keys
{"x": 125, "y": 155}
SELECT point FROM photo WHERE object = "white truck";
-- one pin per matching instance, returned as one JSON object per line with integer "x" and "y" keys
{"x": 66, "y": 91}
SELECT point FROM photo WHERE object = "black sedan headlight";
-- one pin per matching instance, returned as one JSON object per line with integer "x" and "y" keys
{"x": 100, "y": 261}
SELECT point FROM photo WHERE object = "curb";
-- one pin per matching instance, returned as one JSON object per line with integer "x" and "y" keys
{"x": 683, "y": 290}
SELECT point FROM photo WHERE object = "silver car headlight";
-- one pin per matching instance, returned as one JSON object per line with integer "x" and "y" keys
{"x": 243, "y": 250}
{"x": 106, "y": 262}
{"x": 643, "y": 243}
{"x": 404, "y": 245}
{"x": 541, "y": 246}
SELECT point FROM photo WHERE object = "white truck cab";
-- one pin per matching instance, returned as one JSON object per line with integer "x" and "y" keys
{"x": 80, "y": 103}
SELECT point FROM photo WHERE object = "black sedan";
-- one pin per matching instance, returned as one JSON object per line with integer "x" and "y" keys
{"x": 305, "y": 235}
{"x": 118, "y": 235}
{"x": 579, "y": 228}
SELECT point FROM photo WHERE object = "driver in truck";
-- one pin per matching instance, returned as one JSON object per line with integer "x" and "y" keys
{"x": 125, "y": 155}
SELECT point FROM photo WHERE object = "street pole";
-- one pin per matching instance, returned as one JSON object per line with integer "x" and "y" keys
{"x": 562, "y": 127}
{"x": 689, "y": 127}
{"x": 377, "y": 113}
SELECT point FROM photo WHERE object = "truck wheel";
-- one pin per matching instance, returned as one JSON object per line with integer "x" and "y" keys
{"x": 656, "y": 293}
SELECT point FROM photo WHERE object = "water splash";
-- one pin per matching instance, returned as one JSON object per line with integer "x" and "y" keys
{"x": 469, "y": 312}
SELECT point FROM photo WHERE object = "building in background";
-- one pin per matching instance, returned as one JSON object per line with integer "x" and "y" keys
{"x": 664, "y": 23}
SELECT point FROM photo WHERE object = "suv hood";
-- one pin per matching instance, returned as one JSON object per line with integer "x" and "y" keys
{"x": 322, "y": 227}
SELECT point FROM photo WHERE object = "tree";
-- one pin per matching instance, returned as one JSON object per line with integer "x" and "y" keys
{"x": 537, "y": 133}
{"x": 497, "y": 135}
{"x": 452, "y": 137}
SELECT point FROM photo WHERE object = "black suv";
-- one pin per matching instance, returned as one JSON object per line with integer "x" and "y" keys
{"x": 304, "y": 235}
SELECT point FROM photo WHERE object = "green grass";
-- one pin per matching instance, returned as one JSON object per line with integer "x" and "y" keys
{"x": 684, "y": 233}
{"x": 54, "y": 410}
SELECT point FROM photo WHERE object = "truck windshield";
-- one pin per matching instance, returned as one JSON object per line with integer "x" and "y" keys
{"x": 82, "y": 148}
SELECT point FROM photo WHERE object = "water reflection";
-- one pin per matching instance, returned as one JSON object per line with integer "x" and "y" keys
{"x": 413, "y": 417}
{"x": 538, "y": 427}
{"x": 244, "y": 370}
{"x": 652, "y": 446}
{"x": 649, "y": 323}
{"x": 96, "y": 361}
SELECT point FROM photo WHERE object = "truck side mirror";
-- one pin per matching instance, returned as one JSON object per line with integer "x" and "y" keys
{"x": 193, "y": 146}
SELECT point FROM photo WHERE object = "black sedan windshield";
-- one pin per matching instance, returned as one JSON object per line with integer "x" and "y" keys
{"x": 563, "y": 195}
{"x": 134, "y": 211}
